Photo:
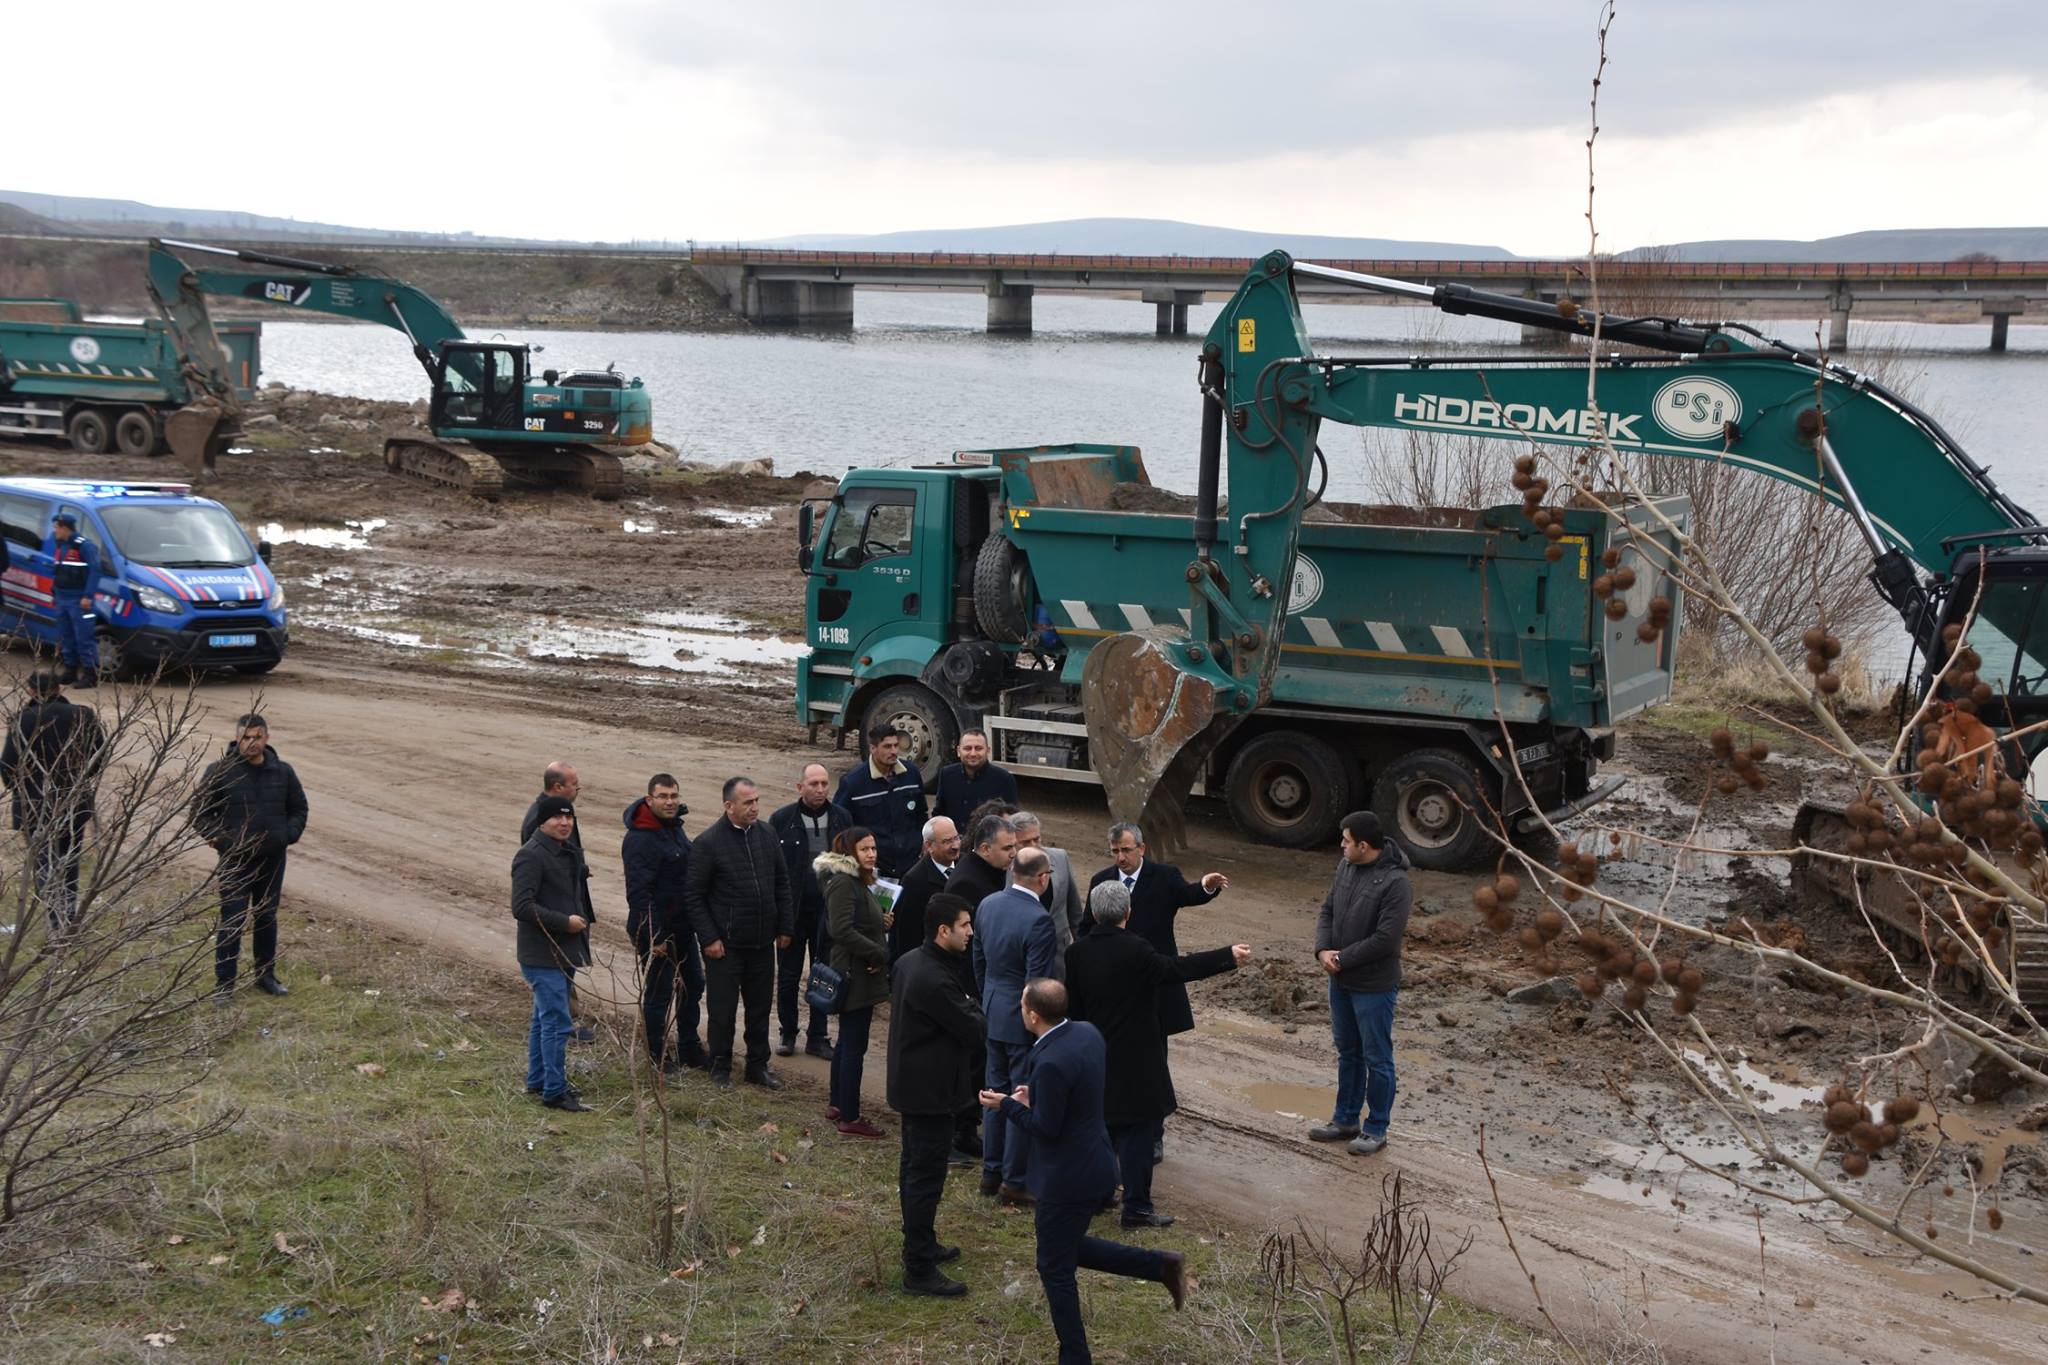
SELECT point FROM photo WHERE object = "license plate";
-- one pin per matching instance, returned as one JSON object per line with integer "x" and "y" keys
{"x": 233, "y": 641}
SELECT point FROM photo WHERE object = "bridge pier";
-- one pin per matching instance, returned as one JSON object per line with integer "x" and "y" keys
{"x": 1838, "y": 324}
{"x": 1009, "y": 308}
{"x": 2000, "y": 311}
{"x": 798, "y": 303}
{"x": 1173, "y": 307}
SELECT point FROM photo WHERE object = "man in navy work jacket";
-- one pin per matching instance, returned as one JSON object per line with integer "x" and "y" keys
{"x": 886, "y": 795}
{"x": 1073, "y": 1169}
{"x": 656, "y": 854}
{"x": 74, "y": 575}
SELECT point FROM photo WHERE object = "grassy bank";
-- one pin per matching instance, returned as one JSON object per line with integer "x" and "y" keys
{"x": 391, "y": 1194}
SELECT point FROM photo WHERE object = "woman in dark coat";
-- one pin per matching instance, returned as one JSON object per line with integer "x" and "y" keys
{"x": 859, "y": 929}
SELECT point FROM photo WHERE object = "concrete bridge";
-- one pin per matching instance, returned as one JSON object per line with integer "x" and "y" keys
{"x": 816, "y": 288}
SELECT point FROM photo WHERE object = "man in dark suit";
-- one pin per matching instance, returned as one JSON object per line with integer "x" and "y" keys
{"x": 1013, "y": 943}
{"x": 1158, "y": 894}
{"x": 935, "y": 1053}
{"x": 985, "y": 868}
{"x": 1113, "y": 981}
{"x": 1073, "y": 1169}
{"x": 926, "y": 878}
{"x": 805, "y": 829}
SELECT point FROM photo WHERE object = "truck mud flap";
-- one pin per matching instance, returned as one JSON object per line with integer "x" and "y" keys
{"x": 1577, "y": 806}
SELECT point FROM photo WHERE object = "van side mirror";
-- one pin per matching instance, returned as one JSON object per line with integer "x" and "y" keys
{"x": 263, "y": 550}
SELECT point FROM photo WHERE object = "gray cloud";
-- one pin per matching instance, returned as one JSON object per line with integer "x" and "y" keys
{"x": 1204, "y": 80}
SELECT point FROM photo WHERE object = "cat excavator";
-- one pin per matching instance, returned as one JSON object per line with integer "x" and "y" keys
{"x": 1965, "y": 567}
{"x": 494, "y": 423}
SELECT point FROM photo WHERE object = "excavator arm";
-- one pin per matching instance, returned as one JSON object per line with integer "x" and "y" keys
{"x": 1159, "y": 702}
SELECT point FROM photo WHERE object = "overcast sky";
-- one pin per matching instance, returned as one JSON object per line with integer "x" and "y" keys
{"x": 1458, "y": 120}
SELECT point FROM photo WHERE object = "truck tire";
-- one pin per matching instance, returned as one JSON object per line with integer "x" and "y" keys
{"x": 1290, "y": 789}
{"x": 1002, "y": 591}
{"x": 88, "y": 431}
{"x": 930, "y": 733}
{"x": 1434, "y": 801}
{"x": 135, "y": 433}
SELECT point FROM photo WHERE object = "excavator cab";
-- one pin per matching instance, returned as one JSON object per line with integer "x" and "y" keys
{"x": 478, "y": 387}
{"x": 2003, "y": 621}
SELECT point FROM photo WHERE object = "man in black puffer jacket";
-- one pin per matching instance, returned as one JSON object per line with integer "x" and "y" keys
{"x": 52, "y": 764}
{"x": 656, "y": 853}
{"x": 251, "y": 808}
{"x": 738, "y": 897}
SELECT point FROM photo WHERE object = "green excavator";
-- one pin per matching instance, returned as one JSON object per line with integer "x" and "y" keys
{"x": 1157, "y": 701}
{"x": 494, "y": 422}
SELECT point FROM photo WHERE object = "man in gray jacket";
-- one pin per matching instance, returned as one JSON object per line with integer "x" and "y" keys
{"x": 1358, "y": 944}
{"x": 554, "y": 940}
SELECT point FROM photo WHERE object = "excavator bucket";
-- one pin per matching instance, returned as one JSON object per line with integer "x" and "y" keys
{"x": 1151, "y": 727}
{"x": 195, "y": 434}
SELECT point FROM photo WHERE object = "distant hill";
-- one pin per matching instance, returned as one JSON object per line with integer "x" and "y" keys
{"x": 71, "y": 213}
{"x": 1140, "y": 237}
{"x": 1898, "y": 244}
{"x": 14, "y": 218}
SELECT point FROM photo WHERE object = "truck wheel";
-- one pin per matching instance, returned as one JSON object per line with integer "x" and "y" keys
{"x": 1433, "y": 801}
{"x": 135, "y": 434}
{"x": 930, "y": 733}
{"x": 88, "y": 432}
{"x": 1290, "y": 789}
{"x": 1002, "y": 591}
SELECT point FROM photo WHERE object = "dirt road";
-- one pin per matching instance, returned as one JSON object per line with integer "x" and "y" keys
{"x": 445, "y": 650}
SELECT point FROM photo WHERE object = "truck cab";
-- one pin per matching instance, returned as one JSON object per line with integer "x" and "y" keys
{"x": 181, "y": 585}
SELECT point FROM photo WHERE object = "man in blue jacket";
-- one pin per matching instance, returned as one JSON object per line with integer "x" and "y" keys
{"x": 805, "y": 828}
{"x": 1013, "y": 943}
{"x": 656, "y": 853}
{"x": 74, "y": 575}
{"x": 1073, "y": 1169}
{"x": 886, "y": 794}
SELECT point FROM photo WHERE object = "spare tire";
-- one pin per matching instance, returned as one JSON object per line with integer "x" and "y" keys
{"x": 1002, "y": 591}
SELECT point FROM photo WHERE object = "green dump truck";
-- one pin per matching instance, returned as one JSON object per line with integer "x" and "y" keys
{"x": 108, "y": 385}
{"x": 1436, "y": 665}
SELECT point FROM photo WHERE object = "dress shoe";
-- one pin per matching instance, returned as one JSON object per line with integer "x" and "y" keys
{"x": 764, "y": 1078}
{"x": 1333, "y": 1132}
{"x": 222, "y": 997}
{"x": 956, "y": 1157}
{"x": 832, "y": 1112}
{"x": 569, "y": 1102}
{"x": 1158, "y": 1152}
{"x": 860, "y": 1128}
{"x": 270, "y": 985}
{"x": 583, "y": 1033}
{"x": 1013, "y": 1196}
{"x": 1147, "y": 1220}
{"x": 991, "y": 1182}
{"x": 1365, "y": 1144}
{"x": 934, "y": 1285}
{"x": 947, "y": 1254}
{"x": 534, "y": 1091}
{"x": 1175, "y": 1277}
{"x": 721, "y": 1078}
{"x": 819, "y": 1047}
{"x": 786, "y": 1047}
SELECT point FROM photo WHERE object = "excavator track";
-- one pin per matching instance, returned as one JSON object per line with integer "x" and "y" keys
{"x": 463, "y": 468}
{"x": 2023, "y": 957}
{"x": 595, "y": 470}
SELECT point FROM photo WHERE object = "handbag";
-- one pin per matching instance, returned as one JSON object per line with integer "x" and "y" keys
{"x": 826, "y": 989}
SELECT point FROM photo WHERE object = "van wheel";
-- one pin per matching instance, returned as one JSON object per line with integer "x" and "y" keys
{"x": 1435, "y": 802}
{"x": 135, "y": 434}
{"x": 1290, "y": 789}
{"x": 88, "y": 432}
{"x": 114, "y": 661}
{"x": 930, "y": 733}
{"x": 1002, "y": 591}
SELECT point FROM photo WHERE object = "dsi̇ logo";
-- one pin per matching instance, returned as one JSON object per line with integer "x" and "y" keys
{"x": 84, "y": 350}
{"x": 1696, "y": 409}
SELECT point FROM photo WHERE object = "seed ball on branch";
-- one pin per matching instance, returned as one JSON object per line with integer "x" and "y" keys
{"x": 1520, "y": 480}
{"x": 1525, "y": 464}
{"x": 1856, "y": 845}
{"x": 1690, "y": 979}
{"x": 1831, "y": 647}
{"x": 1866, "y": 1137}
{"x": 1887, "y": 1135}
{"x": 1683, "y": 1005}
{"x": 2010, "y": 793}
{"x": 1553, "y": 529}
{"x": 1722, "y": 743}
{"x": 1660, "y": 606}
{"x": 1855, "y": 1164}
{"x": 1828, "y": 683}
{"x": 1553, "y": 553}
{"x": 1741, "y": 761}
{"x": 1951, "y": 634}
{"x": 1624, "y": 579}
{"x": 1755, "y": 779}
{"x": 1842, "y": 1114}
{"x": 1860, "y": 814}
{"x": 1603, "y": 586}
{"x": 1993, "y": 1219}
{"x": 1644, "y": 972}
{"x": 1610, "y": 557}
{"x": 1590, "y": 985}
{"x": 1617, "y": 608}
{"x": 1634, "y": 998}
{"x": 1981, "y": 694}
{"x": 1485, "y": 900}
{"x": 1507, "y": 886}
{"x": 1647, "y": 633}
{"x": 1540, "y": 488}
{"x": 1816, "y": 662}
{"x": 1967, "y": 705}
{"x": 1549, "y": 924}
{"x": 1727, "y": 784}
{"x": 1838, "y": 1093}
{"x": 1814, "y": 638}
{"x": 1970, "y": 659}
{"x": 1965, "y": 681}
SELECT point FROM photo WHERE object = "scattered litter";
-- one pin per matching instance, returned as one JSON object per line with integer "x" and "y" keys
{"x": 760, "y": 1236}
{"x": 158, "y": 1340}
{"x": 452, "y": 1300}
{"x": 216, "y": 1260}
{"x": 796, "y": 1308}
{"x": 176, "y": 1239}
{"x": 373, "y": 992}
{"x": 749, "y": 517}
{"x": 769, "y": 1128}
{"x": 464, "y": 1045}
{"x": 327, "y": 978}
{"x": 543, "y": 1307}
{"x": 732, "y": 1250}
{"x": 285, "y": 1312}
{"x": 277, "y": 1239}
{"x": 370, "y": 1068}
{"x": 778, "y": 1158}
{"x": 685, "y": 1271}
{"x": 144, "y": 1267}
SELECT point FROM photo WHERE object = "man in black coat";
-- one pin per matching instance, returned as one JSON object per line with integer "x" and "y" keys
{"x": 560, "y": 779}
{"x": 738, "y": 896}
{"x": 554, "y": 940}
{"x": 935, "y": 1044}
{"x": 52, "y": 763}
{"x": 1113, "y": 981}
{"x": 806, "y": 828}
{"x": 973, "y": 780}
{"x": 1072, "y": 1168}
{"x": 886, "y": 794}
{"x": 926, "y": 878}
{"x": 985, "y": 868}
{"x": 656, "y": 855}
{"x": 251, "y": 808}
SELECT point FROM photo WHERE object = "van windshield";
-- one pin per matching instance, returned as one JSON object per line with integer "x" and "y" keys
{"x": 177, "y": 536}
